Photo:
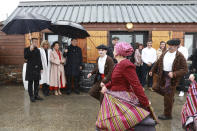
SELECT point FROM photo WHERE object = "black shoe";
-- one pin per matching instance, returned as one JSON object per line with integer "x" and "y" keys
{"x": 68, "y": 92}
{"x": 77, "y": 91}
{"x": 38, "y": 98}
{"x": 163, "y": 117}
{"x": 32, "y": 99}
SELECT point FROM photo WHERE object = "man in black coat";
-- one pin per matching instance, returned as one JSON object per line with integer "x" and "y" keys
{"x": 33, "y": 70}
{"x": 111, "y": 48}
{"x": 73, "y": 65}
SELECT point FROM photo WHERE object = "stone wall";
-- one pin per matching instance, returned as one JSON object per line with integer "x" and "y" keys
{"x": 10, "y": 74}
{"x": 13, "y": 74}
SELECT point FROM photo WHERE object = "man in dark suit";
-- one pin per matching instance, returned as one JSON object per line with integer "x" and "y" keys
{"x": 110, "y": 49}
{"x": 34, "y": 68}
{"x": 73, "y": 65}
{"x": 103, "y": 70}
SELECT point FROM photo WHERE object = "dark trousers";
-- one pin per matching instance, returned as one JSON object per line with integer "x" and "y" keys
{"x": 145, "y": 70}
{"x": 30, "y": 88}
{"x": 95, "y": 92}
{"x": 168, "y": 95}
{"x": 181, "y": 86}
{"x": 139, "y": 72}
{"x": 69, "y": 82}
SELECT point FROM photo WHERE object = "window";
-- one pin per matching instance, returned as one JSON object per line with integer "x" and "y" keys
{"x": 64, "y": 41}
{"x": 190, "y": 42}
{"x": 130, "y": 37}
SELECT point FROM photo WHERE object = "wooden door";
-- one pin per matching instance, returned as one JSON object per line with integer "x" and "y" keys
{"x": 179, "y": 35}
{"x": 158, "y": 36}
{"x": 82, "y": 43}
{"x": 96, "y": 38}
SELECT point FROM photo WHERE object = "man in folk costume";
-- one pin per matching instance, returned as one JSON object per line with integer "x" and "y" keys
{"x": 171, "y": 66}
{"x": 103, "y": 70}
{"x": 34, "y": 69}
{"x": 46, "y": 64}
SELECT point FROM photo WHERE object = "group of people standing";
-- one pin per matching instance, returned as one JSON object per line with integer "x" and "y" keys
{"x": 118, "y": 84}
{"x": 51, "y": 68}
{"x": 120, "y": 89}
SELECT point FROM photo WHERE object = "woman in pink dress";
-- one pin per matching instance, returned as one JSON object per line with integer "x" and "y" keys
{"x": 57, "y": 76}
{"x": 125, "y": 105}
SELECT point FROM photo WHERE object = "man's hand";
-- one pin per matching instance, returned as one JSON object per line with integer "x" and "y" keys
{"x": 170, "y": 74}
{"x": 41, "y": 71}
{"x": 31, "y": 47}
{"x": 150, "y": 73}
{"x": 66, "y": 50}
{"x": 89, "y": 75}
{"x": 80, "y": 67}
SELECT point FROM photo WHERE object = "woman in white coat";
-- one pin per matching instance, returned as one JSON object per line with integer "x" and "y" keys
{"x": 57, "y": 75}
{"x": 45, "y": 52}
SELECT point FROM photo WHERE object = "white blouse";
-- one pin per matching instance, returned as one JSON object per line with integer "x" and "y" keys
{"x": 101, "y": 64}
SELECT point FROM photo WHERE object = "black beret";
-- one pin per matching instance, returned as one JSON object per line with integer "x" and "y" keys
{"x": 174, "y": 42}
{"x": 102, "y": 46}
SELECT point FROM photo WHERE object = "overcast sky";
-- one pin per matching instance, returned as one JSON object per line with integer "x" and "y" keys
{"x": 8, "y": 6}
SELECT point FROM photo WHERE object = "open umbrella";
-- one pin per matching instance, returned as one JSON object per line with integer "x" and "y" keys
{"x": 26, "y": 23}
{"x": 69, "y": 29}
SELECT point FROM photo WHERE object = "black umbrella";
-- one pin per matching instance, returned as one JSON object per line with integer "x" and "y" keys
{"x": 26, "y": 23}
{"x": 69, "y": 29}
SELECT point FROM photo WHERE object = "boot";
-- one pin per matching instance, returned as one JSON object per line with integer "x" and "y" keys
{"x": 32, "y": 99}
{"x": 163, "y": 117}
{"x": 44, "y": 89}
{"x": 76, "y": 91}
{"x": 47, "y": 90}
{"x": 38, "y": 98}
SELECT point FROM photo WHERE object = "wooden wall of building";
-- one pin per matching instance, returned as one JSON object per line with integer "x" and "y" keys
{"x": 12, "y": 46}
{"x": 11, "y": 49}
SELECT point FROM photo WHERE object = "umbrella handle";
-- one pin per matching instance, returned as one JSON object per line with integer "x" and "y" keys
{"x": 30, "y": 38}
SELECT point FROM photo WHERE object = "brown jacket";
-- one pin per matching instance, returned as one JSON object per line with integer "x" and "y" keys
{"x": 179, "y": 69}
{"x": 109, "y": 64}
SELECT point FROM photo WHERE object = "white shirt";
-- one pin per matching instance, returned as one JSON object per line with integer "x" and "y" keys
{"x": 149, "y": 55}
{"x": 168, "y": 61}
{"x": 184, "y": 51}
{"x": 101, "y": 64}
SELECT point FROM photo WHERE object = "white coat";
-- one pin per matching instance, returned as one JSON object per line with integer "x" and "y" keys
{"x": 45, "y": 75}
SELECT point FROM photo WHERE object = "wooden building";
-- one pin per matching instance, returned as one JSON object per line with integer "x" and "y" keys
{"x": 155, "y": 20}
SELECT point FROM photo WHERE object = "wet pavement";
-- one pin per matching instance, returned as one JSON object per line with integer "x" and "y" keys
{"x": 65, "y": 113}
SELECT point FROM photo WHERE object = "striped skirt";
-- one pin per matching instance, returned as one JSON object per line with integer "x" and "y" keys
{"x": 189, "y": 110}
{"x": 119, "y": 112}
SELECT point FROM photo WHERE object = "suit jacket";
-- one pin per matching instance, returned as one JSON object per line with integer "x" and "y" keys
{"x": 73, "y": 60}
{"x": 179, "y": 69}
{"x": 109, "y": 65}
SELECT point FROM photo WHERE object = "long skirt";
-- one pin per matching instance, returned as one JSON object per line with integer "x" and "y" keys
{"x": 189, "y": 110}
{"x": 120, "y": 111}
